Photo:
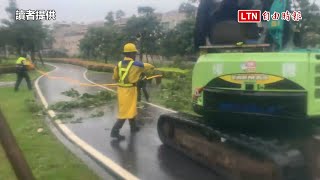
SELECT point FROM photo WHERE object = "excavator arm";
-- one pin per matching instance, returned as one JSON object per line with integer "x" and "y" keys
{"x": 278, "y": 28}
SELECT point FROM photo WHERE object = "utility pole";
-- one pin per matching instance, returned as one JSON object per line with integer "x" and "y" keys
{"x": 14, "y": 154}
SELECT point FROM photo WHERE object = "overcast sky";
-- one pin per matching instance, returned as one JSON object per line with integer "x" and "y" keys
{"x": 90, "y": 10}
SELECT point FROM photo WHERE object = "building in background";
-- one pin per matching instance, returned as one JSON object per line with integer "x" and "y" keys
{"x": 121, "y": 22}
{"x": 68, "y": 35}
{"x": 170, "y": 19}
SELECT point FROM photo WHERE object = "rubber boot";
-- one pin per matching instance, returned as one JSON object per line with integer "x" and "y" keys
{"x": 116, "y": 129}
{"x": 133, "y": 126}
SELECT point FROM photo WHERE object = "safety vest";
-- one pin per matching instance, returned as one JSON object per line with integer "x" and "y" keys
{"x": 20, "y": 61}
{"x": 123, "y": 73}
{"x": 21, "y": 64}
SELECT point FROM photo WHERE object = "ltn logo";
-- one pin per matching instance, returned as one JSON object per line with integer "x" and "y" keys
{"x": 249, "y": 16}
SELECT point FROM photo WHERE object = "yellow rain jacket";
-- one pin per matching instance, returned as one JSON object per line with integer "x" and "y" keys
{"x": 127, "y": 89}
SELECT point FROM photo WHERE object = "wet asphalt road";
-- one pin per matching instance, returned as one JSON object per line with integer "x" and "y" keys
{"x": 142, "y": 154}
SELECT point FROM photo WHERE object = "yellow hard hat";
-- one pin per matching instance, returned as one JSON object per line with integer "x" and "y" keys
{"x": 129, "y": 48}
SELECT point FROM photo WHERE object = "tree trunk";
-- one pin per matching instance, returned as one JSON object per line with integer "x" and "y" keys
{"x": 40, "y": 57}
{"x": 1, "y": 51}
{"x": 147, "y": 58}
{"x": 141, "y": 51}
{"x": 152, "y": 59}
{"x": 6, "y": 48}
{"x": 33, "y": 57}
{"x": 141, "y": 47}
{"x": 106, "y": 57}
{"x": 160, "y": 59}
{"x": 20, "y": 50}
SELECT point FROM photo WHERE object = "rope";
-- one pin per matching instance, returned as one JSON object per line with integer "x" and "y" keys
{"x": 74, "y": 81}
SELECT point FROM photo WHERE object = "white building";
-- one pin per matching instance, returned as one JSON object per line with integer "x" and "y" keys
{"x": 172, "y": 18}
{"x": 68, "y": 36}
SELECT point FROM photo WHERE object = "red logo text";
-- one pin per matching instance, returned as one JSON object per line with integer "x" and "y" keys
{"x": 249, "y": 16}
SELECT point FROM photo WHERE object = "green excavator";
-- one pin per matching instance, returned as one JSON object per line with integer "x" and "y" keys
{"x": 250, "y": 89}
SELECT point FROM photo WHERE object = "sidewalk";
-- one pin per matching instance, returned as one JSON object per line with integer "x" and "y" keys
{"x": 6, "y": 84}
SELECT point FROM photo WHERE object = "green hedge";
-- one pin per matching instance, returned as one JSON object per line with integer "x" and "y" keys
{"x": 95, "y": 66}
{"x": 166, "y": 72}
{"x": 5, "y": 69}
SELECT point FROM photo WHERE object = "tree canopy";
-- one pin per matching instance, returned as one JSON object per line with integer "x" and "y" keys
{"x": 110, "y": 18}
{"x": 309, "y": 26}
{"x": 102, "y": 42}
{"x": 146, "y": 30}
{"x": 24, "y": 36}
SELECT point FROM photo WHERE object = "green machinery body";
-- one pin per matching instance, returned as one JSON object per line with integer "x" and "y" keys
{"x": 280, "y": 84}
{"x": 273, "y": 84}
{"x": 234, "y": 83}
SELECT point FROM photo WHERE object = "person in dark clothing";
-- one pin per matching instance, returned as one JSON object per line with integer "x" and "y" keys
{"x": 22, "y": 72}
{"x": 142, "y": 85}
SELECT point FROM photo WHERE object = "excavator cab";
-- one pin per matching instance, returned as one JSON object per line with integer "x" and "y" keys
{"x": 217, "y": 23}
{"x": 231, "y": 32}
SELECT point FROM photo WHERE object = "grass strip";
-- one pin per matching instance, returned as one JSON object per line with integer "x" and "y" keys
{"x": 47, "y": 157}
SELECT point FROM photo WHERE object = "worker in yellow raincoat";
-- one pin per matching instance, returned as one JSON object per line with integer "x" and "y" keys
{"x": 127, "y": 73}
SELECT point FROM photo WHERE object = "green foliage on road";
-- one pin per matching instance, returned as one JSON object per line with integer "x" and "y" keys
{"x": 176, "y": 94}
{"x": 63, "y": 116}
{"x": 173, "y": 93}
{"x": 97, "y": 114}
{"x": 71, "y": 93}
{"x": 84, "y": 101}
{"x": 48, "y": 158}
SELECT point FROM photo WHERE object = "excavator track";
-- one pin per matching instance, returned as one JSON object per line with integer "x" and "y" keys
{"x": 233, "y": 156}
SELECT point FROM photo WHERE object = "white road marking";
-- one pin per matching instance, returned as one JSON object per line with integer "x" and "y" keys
{"x": 86, "y": 147}
{"x": 151, "y": 104}
{"x": 85, "y": 77}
